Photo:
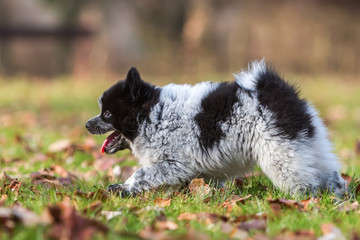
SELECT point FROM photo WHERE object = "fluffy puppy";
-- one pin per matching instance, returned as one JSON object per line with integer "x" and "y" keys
{"x": 218, "y": 131}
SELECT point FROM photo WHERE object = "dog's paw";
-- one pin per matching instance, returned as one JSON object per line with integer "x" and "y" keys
{"x": 120, "y": 191}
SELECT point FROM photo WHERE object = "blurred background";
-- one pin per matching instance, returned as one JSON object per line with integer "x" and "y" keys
{"x": 58, "y": 56}
{"x": 47, "y": 38}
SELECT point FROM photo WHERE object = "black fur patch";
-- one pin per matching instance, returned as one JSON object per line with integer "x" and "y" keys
{"x": 129, "y": 104}
{"x": 216, "y": 108}
{"x": 283, "y": 99}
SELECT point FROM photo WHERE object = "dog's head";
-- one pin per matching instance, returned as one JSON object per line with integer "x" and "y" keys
{"x": 119, "y": 108}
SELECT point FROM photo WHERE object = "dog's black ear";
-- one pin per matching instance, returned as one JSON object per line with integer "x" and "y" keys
{"x": 133, "y": 82}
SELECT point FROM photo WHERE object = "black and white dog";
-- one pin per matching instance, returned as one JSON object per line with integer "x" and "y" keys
{"x": 217, "y": 131}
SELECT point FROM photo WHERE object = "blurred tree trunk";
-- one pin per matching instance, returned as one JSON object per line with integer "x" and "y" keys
{"x": 193, "y": 33}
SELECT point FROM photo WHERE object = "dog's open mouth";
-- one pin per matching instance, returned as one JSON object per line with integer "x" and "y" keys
{"x": 110, "y": 140}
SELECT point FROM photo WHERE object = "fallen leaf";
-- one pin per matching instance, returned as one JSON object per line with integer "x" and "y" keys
{"x": 348, "y": 207}
{"x": 330, "y": 231}
{"x": 357, "y": 190}
{"x": 238, "y": 182}
{"x": 198, "y": 187}
{"x": 62, "y": 172}
{"x": 256, "y": 224}
{"x": 47, "y": 178}
{"x": 203, "y": 217}
{"x": 160, "y": 202}
{"x": 357, "y": 147}
{"x": 244, "y": 218}
{"x": 276, "y": 208}
{"x": 297, "y": 235}
{"x": 12, "y": 187}
{"x": 237, "y": 233}
{"x": 60, "y": 145}
{"x": 68, "y": 224}
{"x": 165, "y": 225}
{"x": 287, "y": 203}
{"x": 151, "y": 233}
{"x": 6, "y": 177}
{"x": 260, "y": 236}
{"x": 42, "y": 174}
{"x": 232, "y": 201}
{"x": 3, "y": 199}
{"x": 104, "y": 162}
{"x": 11, "y": 216}
{"x": 347, "y": 178}
{"x": 162, "y": 223}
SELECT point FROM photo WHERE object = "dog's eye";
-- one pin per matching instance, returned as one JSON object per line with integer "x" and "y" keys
{"x": 107, "y": 114}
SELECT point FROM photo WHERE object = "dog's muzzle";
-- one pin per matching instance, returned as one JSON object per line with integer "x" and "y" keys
{"x": 97, "y": 126}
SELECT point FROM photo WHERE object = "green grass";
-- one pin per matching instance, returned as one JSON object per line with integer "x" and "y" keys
{"x": 42, "y": 112}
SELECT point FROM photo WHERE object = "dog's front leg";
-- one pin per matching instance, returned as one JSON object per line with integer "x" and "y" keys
{"x": 165, "y": 173}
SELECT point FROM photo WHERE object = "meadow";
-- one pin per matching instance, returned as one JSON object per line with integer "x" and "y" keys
{"x": 53, "y": 178}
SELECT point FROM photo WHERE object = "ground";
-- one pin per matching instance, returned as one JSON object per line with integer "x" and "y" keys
{"x": 53, "y": 179}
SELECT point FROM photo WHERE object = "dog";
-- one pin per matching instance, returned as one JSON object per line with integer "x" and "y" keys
{"x": 218, "y": 131}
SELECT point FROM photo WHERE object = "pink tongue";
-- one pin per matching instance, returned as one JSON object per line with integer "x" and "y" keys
{"x": 108, "y": 140}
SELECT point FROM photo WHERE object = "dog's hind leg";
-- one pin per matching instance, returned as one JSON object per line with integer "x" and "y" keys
{"x": 164, "y": 173}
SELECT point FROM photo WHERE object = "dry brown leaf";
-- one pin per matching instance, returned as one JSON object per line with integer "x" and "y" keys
{"x": 60, "y": 146}
{"x": 330, "y": 231}
{"x": 6, "y": 177}
{"x": 238, "y": 199}
{"x": 306, "y": 203}
{"x": 287, "y": 203}
{"x": 68, "y": 224}
{"x": 255, "y": 224}
{"x": 297, "y": 235}
{"x": 47, "y": 178}
{"x": 42, "y": 174}
{"x": 160, "y": 202}
{"x": 3, "y": 199}
{"x": 62, "y": 172}
{"x": 13, "y": 187}
{"x": 347, "y": 178}
{"x": 357, "y": 147}
{"x": 150, "y": 233}
{"x": 244, "y": 218}
{"x": 206, "y": 217}
{"x": 238, "y": 182}
{"x": 187, "y": 216}
{"x": 357, "y": 190}
{"x": 259, "y": 236}
{"x": 105, "y": 162}
{"x": 198, "y": 187}
{"x": 88, "y": 145}
{"x": 17, "y": 214}
{"x": 237, "y": 233}
{"x": 276, "y": 208}
{"x": 164, "y": 224}
{"x": 348, "y": 207}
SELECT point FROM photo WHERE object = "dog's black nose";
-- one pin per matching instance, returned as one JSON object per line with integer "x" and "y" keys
{"x": 87, "y": 125}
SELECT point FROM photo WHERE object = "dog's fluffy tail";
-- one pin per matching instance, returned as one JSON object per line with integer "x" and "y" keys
{"x": 248, "y": 78}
